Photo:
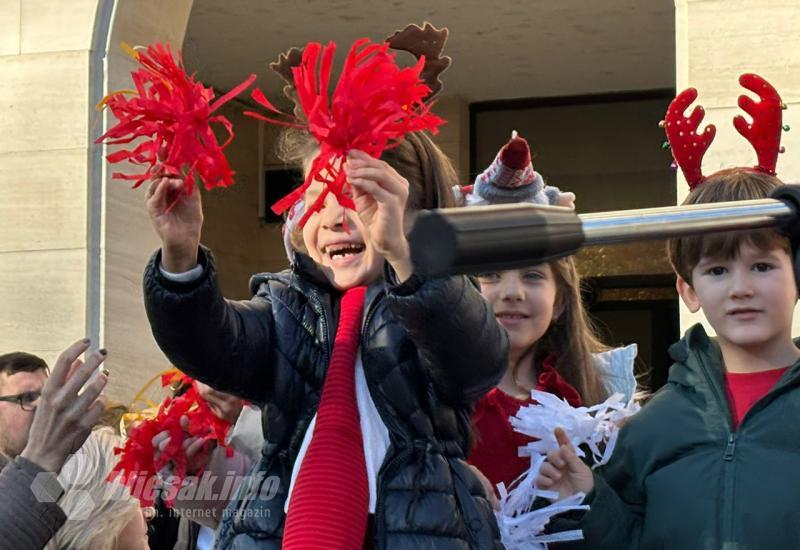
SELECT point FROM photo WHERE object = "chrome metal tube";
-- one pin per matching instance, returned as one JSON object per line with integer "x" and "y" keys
{"x": 469, "y": 240}
{"x": 673, "y": 221}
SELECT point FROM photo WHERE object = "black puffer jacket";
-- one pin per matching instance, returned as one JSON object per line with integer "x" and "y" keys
{"x": 429, "y": 349}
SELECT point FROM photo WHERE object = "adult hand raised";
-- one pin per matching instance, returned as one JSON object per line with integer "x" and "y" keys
{"x": 64, "y": 415}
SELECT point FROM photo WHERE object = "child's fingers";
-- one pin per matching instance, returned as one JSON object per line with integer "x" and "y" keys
{"x": 159, "y": 437}
{"x": 554, "y": 457}
{"x": 358, "y": 154}
{"x": 543, "y": 482}
{"x": 574, "y": 464}
{"x": 160, "y": 190}
{"x": 164, "y": 444}
{"x": 161, "y": 154}
{"x": 151, "y": 189}
{"x": 193, "y": 446}
{"x": 550, "y": 472}
{"x": 561, "y": 437}
{"x": 382, "y": 175}
{"x": 166, "y": 191}
{"x": 371, "y": 188}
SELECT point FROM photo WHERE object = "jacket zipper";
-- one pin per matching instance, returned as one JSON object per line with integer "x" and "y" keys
{"x": 728, "y": 456}
{"x": 729, "y": 466}
{"x": 731, "y": 447}
{"x": 388, "y": 469}
{"x": 323, "y": 320}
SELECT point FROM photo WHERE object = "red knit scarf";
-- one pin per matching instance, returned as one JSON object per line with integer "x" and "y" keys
{"x": 330, "y": 499}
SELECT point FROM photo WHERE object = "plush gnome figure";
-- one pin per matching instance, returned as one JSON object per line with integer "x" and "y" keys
{"x": 511, "y": 178}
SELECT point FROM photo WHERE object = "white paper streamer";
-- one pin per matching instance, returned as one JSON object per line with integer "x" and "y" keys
{"x": 521, "y": 527}
{"x": 595, "y": 427}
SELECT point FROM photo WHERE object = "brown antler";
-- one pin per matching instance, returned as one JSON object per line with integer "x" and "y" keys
{"x": 286, "y": 61}
{"x": 283, "y": 66}
{"x": 428, "y": 41}
{"x": 764, "y": 134}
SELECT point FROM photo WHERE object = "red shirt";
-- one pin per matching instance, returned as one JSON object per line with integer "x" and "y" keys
{"x": 745, "y": 388}
{"x": 495, "y": 452}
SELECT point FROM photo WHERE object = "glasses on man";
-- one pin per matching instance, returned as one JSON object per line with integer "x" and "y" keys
{"x": 27, "y": 400}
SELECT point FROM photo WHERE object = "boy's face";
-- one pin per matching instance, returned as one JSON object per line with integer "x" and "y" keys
{"x": 748, "y": 300}
{"x": 347, "y": 259}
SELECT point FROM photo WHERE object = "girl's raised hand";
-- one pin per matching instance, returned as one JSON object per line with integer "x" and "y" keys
{"x": 564, "y": 471}
{"x": 177, "y": 219}
{"x": 380, "y": 194}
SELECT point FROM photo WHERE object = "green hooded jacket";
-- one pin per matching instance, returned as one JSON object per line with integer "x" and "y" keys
{"x": 681, "y": 478}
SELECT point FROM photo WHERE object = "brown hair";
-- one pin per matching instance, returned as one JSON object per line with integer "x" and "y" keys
{"x": 733, "y": 184}
{"x": 430, "y": 173}
{"x": 571, "y": 337}
{"x": 19, "y": 361}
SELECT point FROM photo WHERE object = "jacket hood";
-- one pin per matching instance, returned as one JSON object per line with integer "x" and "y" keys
{"x": 695, "y": 349}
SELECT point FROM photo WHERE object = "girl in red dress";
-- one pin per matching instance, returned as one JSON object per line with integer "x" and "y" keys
{"x": 553, "y": 346}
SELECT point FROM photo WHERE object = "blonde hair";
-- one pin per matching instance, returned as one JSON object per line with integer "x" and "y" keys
{"x": 97, "y": 510}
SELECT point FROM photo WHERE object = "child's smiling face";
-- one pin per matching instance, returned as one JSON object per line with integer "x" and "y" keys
{"x": 524, "y": 303}
{"x": 749, "y": 299}
{"x": 346, "y": 258}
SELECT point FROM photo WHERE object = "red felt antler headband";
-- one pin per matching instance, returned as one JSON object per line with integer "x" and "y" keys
{"x": 764, "y": 133}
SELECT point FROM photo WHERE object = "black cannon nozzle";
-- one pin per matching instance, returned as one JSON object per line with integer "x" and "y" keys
{"x": 483, "y": 238}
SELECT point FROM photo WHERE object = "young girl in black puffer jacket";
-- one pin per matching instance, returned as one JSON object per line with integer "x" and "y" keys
{"x": 427, "y": 349}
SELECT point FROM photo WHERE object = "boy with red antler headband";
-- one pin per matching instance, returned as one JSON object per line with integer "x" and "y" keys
{"x": 712, "y": 460}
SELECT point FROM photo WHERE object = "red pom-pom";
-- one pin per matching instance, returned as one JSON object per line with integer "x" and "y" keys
{"x": 375, "y": 104}
{"x": 170, "y": 114}
{"x": 138, "y": 467}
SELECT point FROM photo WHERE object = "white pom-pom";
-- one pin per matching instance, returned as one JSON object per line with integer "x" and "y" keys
{"x": 595, "y": 427}
{"x": 522, "y": 527}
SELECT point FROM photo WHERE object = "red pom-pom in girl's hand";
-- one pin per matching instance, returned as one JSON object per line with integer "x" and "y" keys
{"x": 375, "y": 104}
{"x": 171, "y": 111}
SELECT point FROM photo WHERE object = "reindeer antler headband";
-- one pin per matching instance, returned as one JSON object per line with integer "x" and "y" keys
{"x": 764, "y": 134}
{"x": 427, "y": 41}
{"x": 375, "y": 103}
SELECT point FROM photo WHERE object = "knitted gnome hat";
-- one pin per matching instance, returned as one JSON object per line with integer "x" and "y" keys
{"x": 511, "y": 178}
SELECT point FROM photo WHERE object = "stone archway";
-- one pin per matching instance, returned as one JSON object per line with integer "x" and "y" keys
{"x": 72, "y": 244}
{"x": 119, "y": 231}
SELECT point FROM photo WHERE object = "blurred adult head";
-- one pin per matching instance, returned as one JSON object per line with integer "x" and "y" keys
{"x": 22, "y": 377}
